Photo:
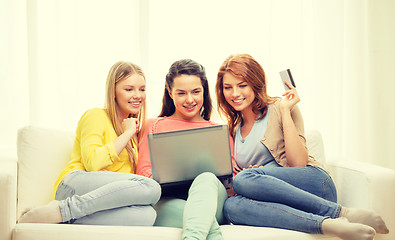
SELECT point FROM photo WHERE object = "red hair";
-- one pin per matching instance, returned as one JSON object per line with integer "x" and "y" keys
{"x": 245, "y": 67}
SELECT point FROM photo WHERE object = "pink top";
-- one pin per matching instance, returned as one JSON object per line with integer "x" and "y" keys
{"x": 165, "y": 124}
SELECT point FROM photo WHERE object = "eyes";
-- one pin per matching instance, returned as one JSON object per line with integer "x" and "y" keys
{"x": 194, "y": 92}
{"x": 228, "y": 87}
{"x": 131, "y": 89}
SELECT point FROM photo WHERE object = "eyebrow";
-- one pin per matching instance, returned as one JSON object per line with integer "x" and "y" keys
{"x": 236, "y": 84}
{"x": 199, "y": 88}
{"x": 135, "y": 86}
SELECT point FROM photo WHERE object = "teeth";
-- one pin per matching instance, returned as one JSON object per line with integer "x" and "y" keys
{"x": 239, "y": 100}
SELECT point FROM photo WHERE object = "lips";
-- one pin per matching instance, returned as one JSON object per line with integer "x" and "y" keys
{"x": 238, "y": 101}
{"x": 190, "y": 108}
{"x": 135, "y": 104}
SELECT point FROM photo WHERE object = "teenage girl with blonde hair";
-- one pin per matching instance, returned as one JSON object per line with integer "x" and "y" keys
{"x": 98, "y": 186}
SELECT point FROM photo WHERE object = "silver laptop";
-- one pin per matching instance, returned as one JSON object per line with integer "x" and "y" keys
{"x": 177, "y": 157}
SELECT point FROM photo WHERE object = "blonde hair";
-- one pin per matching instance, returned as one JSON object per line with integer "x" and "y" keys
{"x": 119, "y": 71}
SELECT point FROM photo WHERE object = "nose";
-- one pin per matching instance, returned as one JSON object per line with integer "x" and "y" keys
{"x": 189, "y": 98}
{"x": 136, "y": 94}
{"x": 235, "y": 92}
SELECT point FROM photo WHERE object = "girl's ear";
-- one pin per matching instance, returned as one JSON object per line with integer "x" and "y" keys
{"x": 168, "y": 90}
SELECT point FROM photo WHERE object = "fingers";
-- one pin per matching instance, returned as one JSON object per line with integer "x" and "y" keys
{"x": 130, "y": 121}
{"x": 291, "y": 94}
{"x": 130, "y": 124}
{"x": 288, "y": 94}
{"x": 130, "y": 117}
{"x": 289, "y": 85}
{"x": 253, "y": 166}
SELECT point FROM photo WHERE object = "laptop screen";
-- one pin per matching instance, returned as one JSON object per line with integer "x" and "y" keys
{"x": 179, "y": 156}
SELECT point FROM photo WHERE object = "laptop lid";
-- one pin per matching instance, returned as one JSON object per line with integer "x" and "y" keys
{"x": 180, "y": 156}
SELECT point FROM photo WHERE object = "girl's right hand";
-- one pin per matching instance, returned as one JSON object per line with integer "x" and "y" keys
{"x": 130, "y": 124}
{"x": 291, "y": 98}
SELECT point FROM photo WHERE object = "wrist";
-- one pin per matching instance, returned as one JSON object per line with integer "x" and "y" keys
{"x": 284, "y": 109}
{"x": 130, "y": 132}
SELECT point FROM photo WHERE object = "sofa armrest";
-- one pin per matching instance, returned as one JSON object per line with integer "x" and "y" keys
{"x": 364, "y": 185}
{"x": 8, "y": 197}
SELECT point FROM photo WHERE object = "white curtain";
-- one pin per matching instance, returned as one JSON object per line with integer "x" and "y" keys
{"x": 14, "y": 82}
{"x": 339, "y": 51}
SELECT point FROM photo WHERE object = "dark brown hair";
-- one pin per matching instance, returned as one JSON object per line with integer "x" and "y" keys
{"x": 187, "y": 67}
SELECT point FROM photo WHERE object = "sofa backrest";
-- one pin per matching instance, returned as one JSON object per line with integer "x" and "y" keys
{"x": 315, "y": 146}
{"x": 43, "y": 153}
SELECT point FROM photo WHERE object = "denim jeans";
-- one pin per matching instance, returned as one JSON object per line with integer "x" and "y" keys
{"x": 108, "y": 198}
{"x": 199, "y": 215}
{"x": 294, "y": 198}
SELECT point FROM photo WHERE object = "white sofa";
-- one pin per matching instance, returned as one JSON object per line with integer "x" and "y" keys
{"x": 28, "y": 180}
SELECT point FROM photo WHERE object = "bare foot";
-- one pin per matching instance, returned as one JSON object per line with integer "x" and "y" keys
{"x": 345, "y": 230}
{"x": 49, "y": 213}
{"x": 365, "y": 216}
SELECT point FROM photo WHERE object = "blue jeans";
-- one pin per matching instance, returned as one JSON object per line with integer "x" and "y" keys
{"x": 108, "y": 198}
{"x": 294, "y": 198}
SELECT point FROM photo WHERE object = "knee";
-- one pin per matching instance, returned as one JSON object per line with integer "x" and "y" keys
{"x": 151, "y": 190}
{"x": 203, "y": 182}
{"x": 240, "y": 180}
{"x": 205, "y": 177}
{"x": 329, "y": 190}
{"x": 246, "y": 177}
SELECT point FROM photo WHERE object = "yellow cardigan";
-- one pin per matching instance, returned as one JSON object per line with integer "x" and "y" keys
{"x": 94, "y": 149}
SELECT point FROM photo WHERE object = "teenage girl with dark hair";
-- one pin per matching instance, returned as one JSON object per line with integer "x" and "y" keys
{"x": 186, "y": 104}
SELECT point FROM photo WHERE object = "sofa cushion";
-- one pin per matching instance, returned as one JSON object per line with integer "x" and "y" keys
{"x": 26, "y": 231}
{"x": 315, "y": 146}
{"x": 42, "y": 155}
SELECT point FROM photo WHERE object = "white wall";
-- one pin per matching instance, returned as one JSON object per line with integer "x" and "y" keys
{"x": 304, "y": 37}
{"x": 72, "y": 46}
{"x": 14, "y": 92}
{"x": 58, "y": 54}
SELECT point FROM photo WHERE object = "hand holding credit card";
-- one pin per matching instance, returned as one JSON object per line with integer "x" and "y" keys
{"x": 286, "y": 76}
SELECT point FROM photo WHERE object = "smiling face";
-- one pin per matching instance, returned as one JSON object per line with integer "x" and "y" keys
{"x": 187, "y": 95}
{"x": 129, "y": 95}
{"x": 238, "y": 93}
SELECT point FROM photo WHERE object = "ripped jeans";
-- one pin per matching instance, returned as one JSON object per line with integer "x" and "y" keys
{"x": 294, "y": 198}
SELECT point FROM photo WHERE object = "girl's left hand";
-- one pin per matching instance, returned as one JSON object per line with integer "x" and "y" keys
{"x": 255, "y": 166}
{"x": 291, "y": 98}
